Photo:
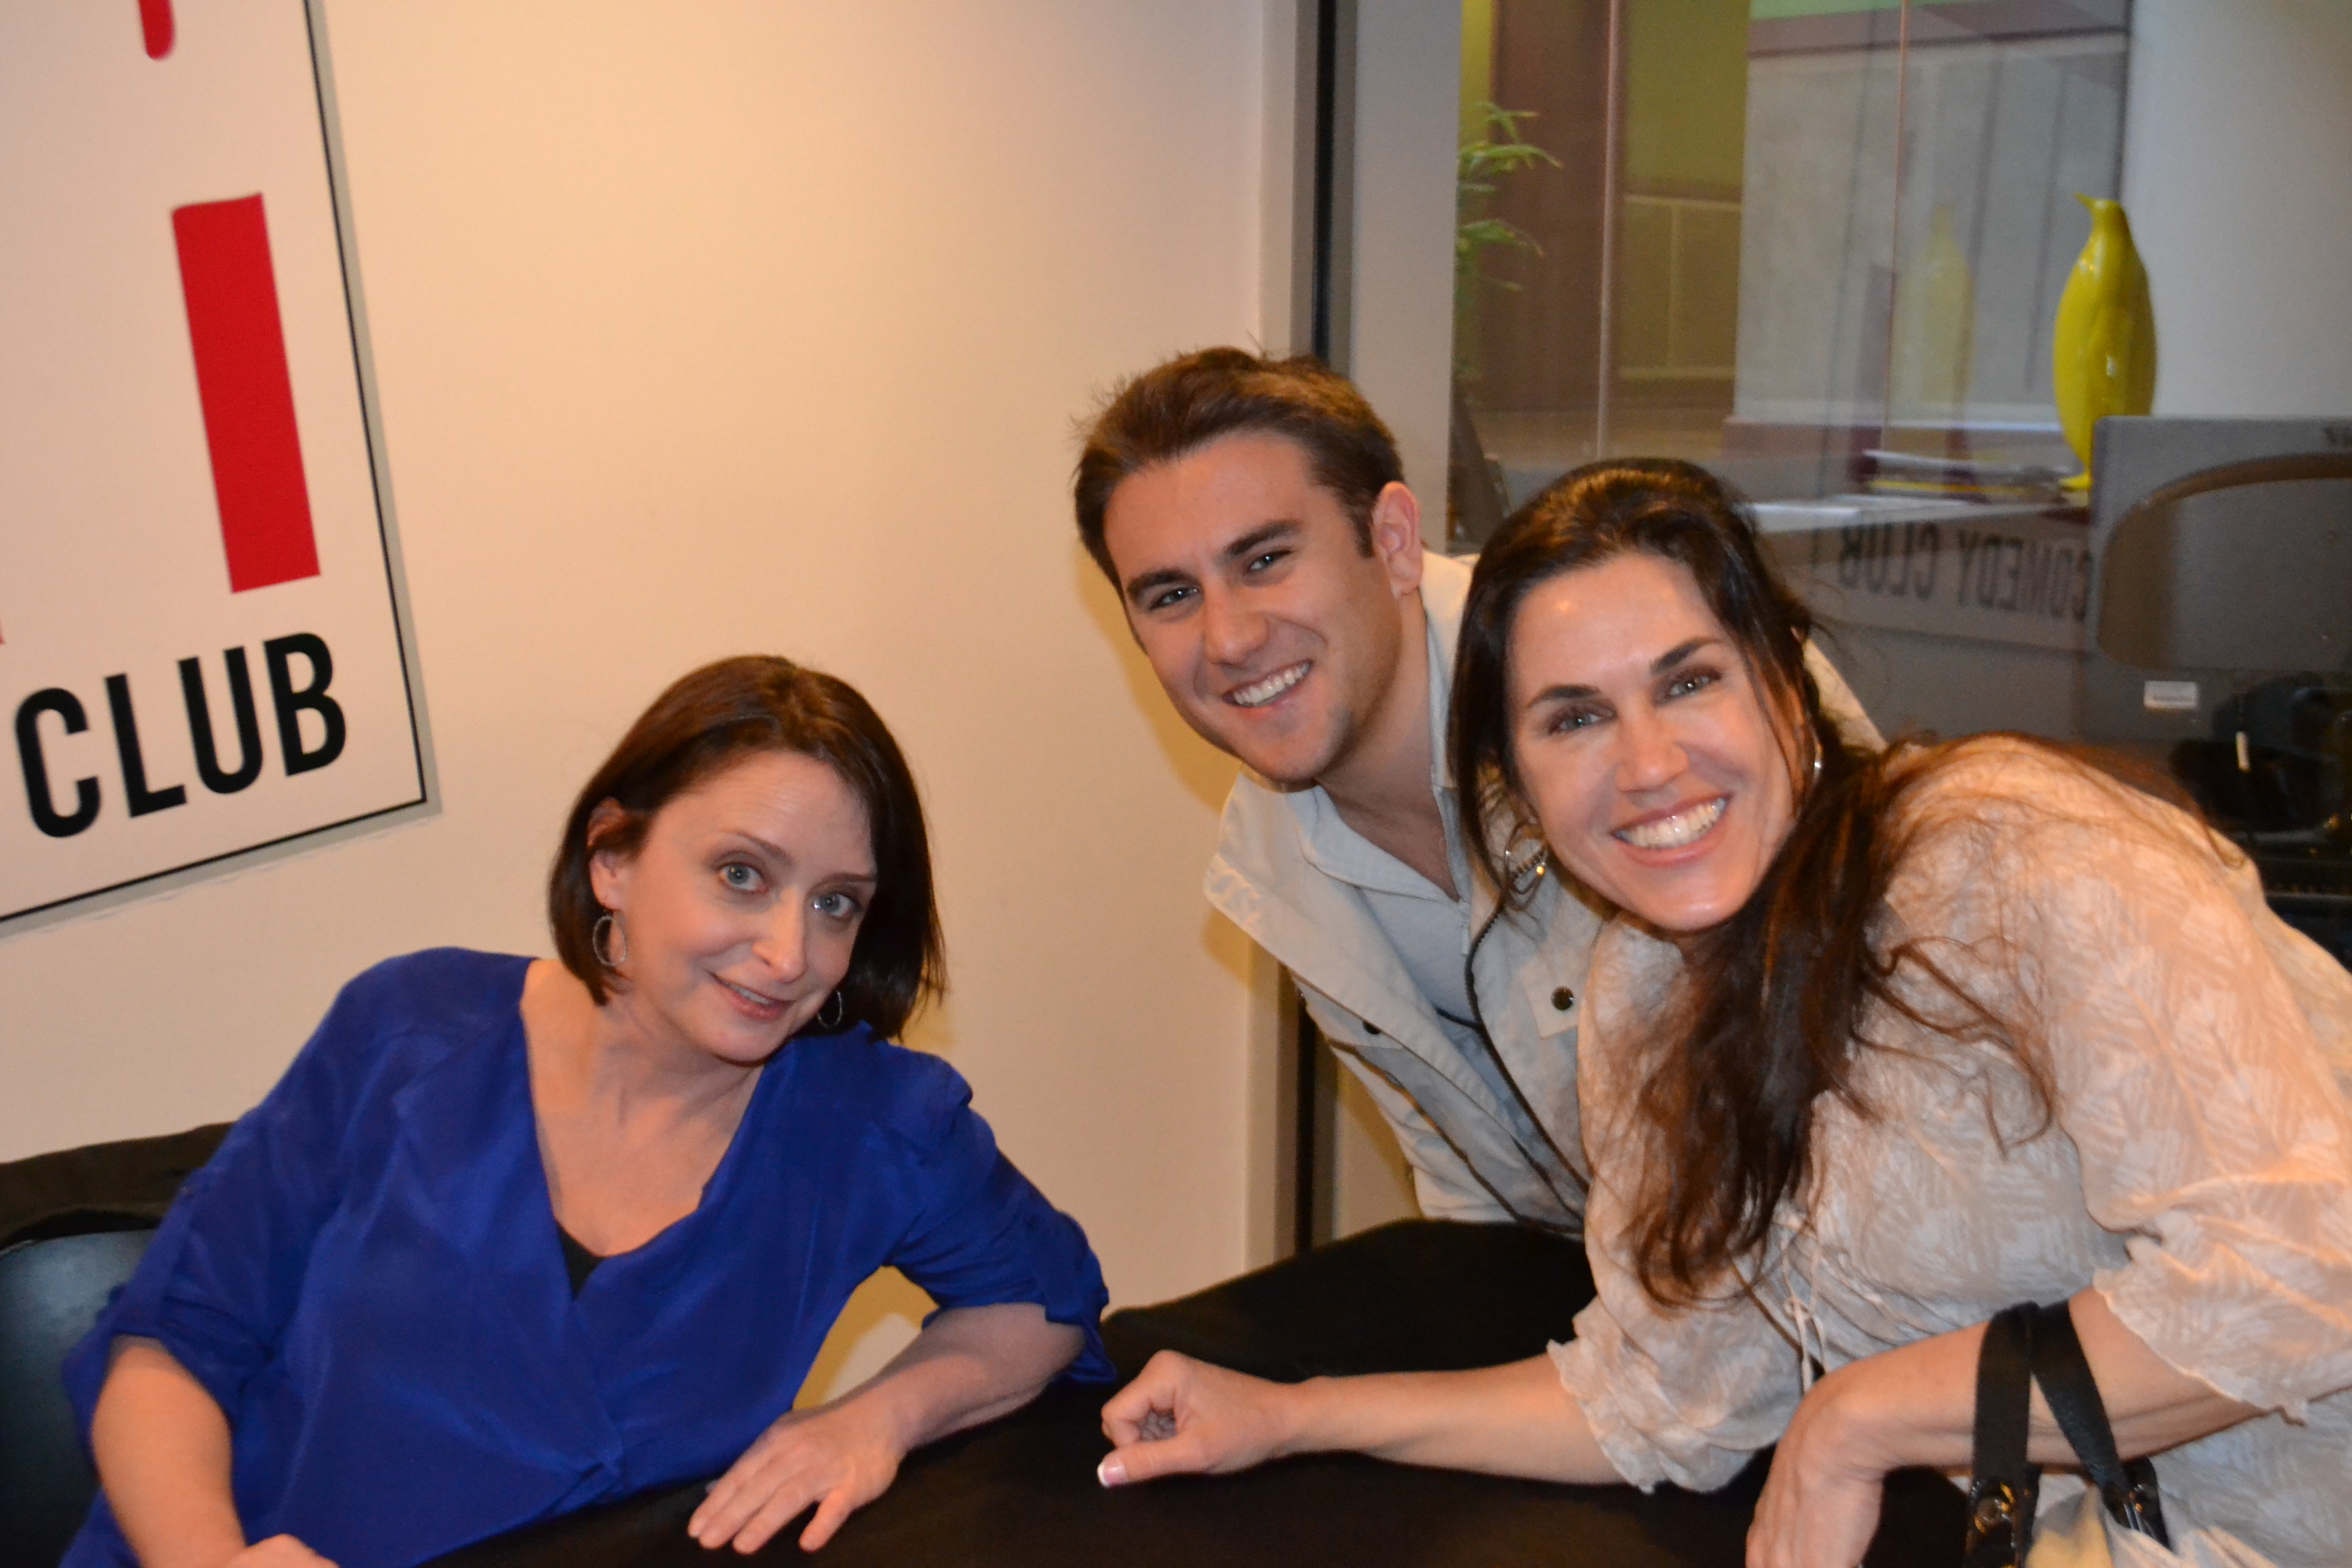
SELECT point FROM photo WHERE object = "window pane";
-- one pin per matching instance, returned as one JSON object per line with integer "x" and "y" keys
{"x": 1815, "y": 244}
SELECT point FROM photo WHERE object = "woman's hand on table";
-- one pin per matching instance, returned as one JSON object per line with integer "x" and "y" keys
{"x": 1820, "y": 1502}
{"x": 839, "y": 1456}
{"x": 278, "y": 1551}
{"x": 1183, "y": 1416}
{"x": 969, "y": 1364}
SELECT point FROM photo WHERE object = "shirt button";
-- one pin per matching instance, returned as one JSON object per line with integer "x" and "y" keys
{"x": 1371, "y": 1028}
{"x": 1562, "y": 999}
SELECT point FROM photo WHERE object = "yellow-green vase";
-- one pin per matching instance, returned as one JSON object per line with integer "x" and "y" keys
{"x": 1935, "y": 326}
{"x": 2104, "y": 356}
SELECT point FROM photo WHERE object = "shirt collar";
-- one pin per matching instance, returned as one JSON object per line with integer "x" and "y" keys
{"x": 1338, "y": 851}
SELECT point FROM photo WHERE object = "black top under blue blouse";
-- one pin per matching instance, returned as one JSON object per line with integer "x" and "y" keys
{"x": 369, "y": 1280}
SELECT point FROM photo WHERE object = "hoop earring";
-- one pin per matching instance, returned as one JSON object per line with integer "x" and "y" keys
{"x": 1525, "y": 855}
{"x": 607, "y": 934}
{"x": 1817, "y": 765}
{"x": 840, "y": 1009}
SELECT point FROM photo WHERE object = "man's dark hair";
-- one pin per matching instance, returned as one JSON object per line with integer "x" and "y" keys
{"x": 724, "y": 714}
{"x": 1174, "y": 408}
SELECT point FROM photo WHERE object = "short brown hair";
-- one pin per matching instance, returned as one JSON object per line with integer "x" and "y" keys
{"x": 1174, "y": 408}
{"x": 707, "y": 723}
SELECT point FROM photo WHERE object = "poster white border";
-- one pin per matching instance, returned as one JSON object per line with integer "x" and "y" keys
{"x": 427, "y": 800}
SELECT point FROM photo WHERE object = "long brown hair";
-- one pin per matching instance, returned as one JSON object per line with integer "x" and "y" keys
{"x": 1768, "y": 1019}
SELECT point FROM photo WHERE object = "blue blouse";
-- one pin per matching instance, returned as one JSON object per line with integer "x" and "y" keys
{"x": 367, "y": 1277}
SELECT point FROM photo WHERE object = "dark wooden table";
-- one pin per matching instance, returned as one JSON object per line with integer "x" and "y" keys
{"x": 1022, "y": 1491}
{"x": 1416, "y": 1296}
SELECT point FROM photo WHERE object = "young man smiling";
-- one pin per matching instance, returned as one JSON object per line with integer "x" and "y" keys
{"x": 1253, "y": 516}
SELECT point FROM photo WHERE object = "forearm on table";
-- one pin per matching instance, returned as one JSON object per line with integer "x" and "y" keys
{"x": 163, "y": 1450}
{"x": 1510, "y": 1420}
{"x": 1917, "y": 1405}
{"x": 967, "y": 1366}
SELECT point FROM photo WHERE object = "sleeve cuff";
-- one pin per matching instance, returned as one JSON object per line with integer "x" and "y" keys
{"x": 2200, "y": 1319}
{"x": 1634, "y": 1459}
{"x": 1643, "y": 1437}
{"x": 1057, "y": 1273}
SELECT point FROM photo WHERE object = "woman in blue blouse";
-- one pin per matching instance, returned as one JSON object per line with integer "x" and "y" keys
{"x": 516, "y": 1236}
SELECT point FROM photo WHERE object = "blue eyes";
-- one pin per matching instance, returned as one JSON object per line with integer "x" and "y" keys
{"x": 1684, "y": 683}
{"x": 741, "y": 877}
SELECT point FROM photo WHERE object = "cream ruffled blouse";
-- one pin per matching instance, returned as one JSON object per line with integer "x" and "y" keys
{"x": 2199, "y": 1173}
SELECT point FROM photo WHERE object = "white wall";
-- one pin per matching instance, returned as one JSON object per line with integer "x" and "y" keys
{"x": 742, "y": 326}
{"x": 2238, "y": 181}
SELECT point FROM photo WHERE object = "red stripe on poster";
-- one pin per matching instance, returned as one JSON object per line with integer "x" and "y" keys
{"x": 155, "y": 23}
{"x": 247, "y": 395}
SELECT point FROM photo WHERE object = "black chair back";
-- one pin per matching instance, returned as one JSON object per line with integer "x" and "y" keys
{"x": 50, "y": 1291}
{"x": 73, "y": 1226}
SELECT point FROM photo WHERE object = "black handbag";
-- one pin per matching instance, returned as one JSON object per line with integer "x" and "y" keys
{"x": 2023, "y": 1345}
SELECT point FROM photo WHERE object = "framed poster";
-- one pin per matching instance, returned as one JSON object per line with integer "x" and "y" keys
{"x": 205, "y": 650}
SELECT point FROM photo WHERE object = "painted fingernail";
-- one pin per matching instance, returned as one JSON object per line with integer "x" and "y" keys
{"x": 1112, "y": 1471}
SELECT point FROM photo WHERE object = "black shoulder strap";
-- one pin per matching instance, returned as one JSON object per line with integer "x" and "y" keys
{"x": 2002, "y": 1484}
{"x": 2064, "y": 1374}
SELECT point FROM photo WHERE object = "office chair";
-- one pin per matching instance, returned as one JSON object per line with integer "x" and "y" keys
{"x": 2224, "y": 613}
{"x": 51, "y": 1289}
{"x": 73, "y": 1226}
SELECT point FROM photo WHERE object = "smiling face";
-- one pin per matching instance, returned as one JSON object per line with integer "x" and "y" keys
{"x": 739, "y": 909}
{"x": 1644, "y": 744}
{"x": 1277, "y": 639}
